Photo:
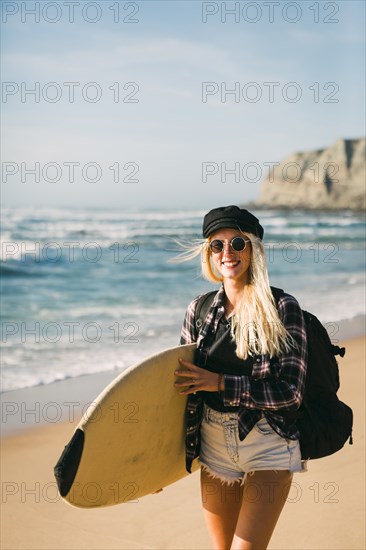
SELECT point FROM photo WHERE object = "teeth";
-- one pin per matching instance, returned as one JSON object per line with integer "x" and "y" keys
{"x": 230, "y": 263}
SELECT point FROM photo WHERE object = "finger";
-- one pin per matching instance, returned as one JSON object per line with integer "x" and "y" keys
{"x": 187, "y": 364}
{"x": 190, "y": 366}
{"x": 189, "y": 390}
{"x": 186, "y": 373}
{"x": 192, "y": 373}
{"x": 184, "y": 384}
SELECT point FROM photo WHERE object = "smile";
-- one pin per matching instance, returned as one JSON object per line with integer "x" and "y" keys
{"x": 230, "y": 263}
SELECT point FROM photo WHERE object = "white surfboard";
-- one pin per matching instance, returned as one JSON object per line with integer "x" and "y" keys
{"x": 130, "y": 442}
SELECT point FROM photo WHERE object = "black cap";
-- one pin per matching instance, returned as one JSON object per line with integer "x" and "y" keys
{"x": 233, "y": 217}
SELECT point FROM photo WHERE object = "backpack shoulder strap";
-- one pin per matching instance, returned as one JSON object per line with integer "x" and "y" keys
{"x": 277, "y": 293}
{"x": 203, "y": 305}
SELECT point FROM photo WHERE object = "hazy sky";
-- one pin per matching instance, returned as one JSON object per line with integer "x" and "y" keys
{"x": 128, "y": 104}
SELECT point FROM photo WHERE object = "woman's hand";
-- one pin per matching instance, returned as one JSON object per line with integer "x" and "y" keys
{"x": 196, "y": 379}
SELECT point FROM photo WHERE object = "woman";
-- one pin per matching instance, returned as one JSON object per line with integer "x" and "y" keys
{"x": 246, "y": 383}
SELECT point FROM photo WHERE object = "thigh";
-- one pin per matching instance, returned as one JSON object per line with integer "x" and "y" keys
{"x": 264, "y": 496}
{"x": 221, "y": 506}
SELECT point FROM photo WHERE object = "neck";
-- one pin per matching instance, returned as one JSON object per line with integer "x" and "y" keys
{"x": 234, "y": 292}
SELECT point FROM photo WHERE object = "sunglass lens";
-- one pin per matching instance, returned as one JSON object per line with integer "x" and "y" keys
{"x": 238, "y": 244}
{"x": 216, "y": 246}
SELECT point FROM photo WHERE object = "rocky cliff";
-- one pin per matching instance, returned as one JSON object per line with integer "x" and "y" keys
{"x": 332, "y": 178}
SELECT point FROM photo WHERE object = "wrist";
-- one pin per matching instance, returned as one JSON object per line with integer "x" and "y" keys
{"x": 220, "y": 382}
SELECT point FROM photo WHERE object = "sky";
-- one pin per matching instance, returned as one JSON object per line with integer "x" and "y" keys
{"x": 171, "y": 104}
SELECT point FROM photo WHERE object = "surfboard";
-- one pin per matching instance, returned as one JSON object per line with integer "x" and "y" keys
{"x": 130, "y": 441}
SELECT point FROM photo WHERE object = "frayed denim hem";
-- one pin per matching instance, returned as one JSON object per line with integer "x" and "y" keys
{"x": 228, "y": 480}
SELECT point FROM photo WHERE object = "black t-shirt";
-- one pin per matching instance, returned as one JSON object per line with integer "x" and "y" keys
{"x": 221, "y": 357}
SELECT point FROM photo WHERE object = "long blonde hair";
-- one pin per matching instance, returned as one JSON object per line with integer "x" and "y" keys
{"x": 255, "y": 323}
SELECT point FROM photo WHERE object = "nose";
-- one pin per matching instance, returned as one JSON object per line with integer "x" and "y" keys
{"x": 227, "y": 248}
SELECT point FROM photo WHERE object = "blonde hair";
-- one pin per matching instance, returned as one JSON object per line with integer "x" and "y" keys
{"x": 256, "y": 326}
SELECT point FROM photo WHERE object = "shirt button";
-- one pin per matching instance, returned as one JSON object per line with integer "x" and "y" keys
{"x": 191, "y": 412}
{"x": 191, "y": 444}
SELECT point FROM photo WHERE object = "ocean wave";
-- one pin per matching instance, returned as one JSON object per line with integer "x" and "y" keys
{"x": 54, "y": 368}
{"x": 149, "y": 291}
{"x": 16, "y": 270}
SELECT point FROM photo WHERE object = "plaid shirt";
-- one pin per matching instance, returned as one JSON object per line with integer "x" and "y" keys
{"x": 275, "y": 388}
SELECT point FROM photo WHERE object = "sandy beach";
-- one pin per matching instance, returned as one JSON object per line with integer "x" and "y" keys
{"x": 325, "y": 508}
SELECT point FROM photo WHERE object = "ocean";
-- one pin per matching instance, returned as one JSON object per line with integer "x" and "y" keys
{"x": 93, "y": 291}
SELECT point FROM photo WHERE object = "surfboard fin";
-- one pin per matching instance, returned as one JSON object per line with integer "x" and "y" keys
{"x": 68, "y": 463}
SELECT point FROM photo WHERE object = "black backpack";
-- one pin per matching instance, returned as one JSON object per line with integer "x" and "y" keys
{"x": 324, "y": 422}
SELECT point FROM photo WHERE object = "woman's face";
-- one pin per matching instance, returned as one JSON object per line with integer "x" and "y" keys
{"x": 229, "y": 263}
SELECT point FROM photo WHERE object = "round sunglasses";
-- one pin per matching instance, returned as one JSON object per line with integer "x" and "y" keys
{"x": 237, "y": 243}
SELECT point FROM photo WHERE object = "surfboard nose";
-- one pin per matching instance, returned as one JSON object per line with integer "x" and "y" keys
{"x": 68, "y": 463}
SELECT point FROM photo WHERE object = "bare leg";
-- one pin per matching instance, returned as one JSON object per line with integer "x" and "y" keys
{"x": 221, "y": 506}
{"x": 264, "y": 496}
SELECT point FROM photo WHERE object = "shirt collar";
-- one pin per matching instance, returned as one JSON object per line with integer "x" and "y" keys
{"x": 219, "y": 302}
{"x": 215, "y": 313}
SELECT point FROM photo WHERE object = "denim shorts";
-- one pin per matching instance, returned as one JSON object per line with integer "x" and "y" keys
{"x": 224, "y": 456}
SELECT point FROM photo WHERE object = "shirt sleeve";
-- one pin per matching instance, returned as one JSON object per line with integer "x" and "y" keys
{"x": 279, "y": 384}
{"x": 189, "y": 333}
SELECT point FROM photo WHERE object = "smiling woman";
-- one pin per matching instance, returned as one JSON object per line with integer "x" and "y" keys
{"x": 248, "y": 374}
{"x": 231, "y": 257}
